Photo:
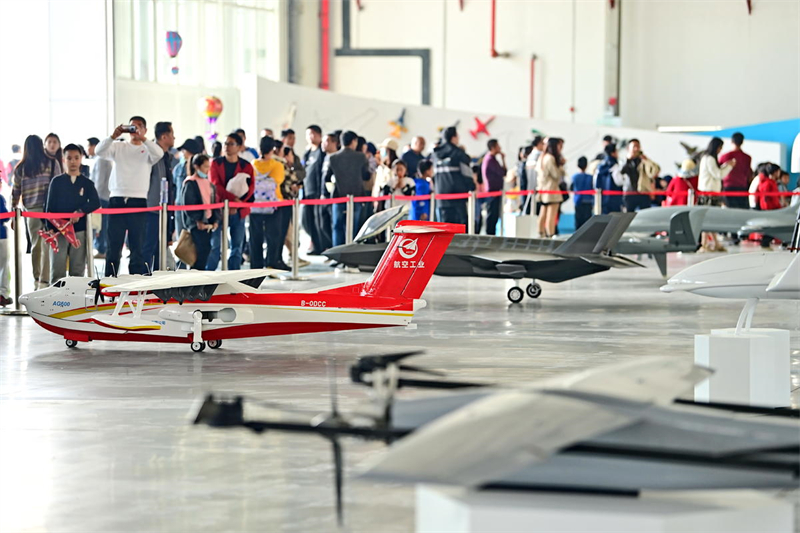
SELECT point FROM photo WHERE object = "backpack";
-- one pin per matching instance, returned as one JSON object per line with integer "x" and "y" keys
{"x": 265, "y": 191}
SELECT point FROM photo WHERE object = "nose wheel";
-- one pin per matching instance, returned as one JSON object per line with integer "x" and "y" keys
{"x": 534, "y": 290}
{"x": 198, "y": 346}
{"x": 515, "y": 295}
{"x": 71, "y": 343}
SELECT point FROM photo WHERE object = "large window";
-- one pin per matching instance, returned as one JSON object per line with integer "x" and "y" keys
{"x": 222, "y": 40}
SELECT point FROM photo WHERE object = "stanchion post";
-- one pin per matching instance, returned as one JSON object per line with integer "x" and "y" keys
{"x": 598, "y": 202}
{"x": 471, "y": 213}
{"x": 349, "y": 220}
{"x": 294, "y": 276}
{"x": 226, "y": 212}
{"x": 432, "y": 213}
{"x": 163, "y": 238}
{"x": 389, "y": 230}
{"x": 89, "y": 245}
{"x": 18, "y": 232}
{"x": 502, "y": 213}
{"x": 690, "y": 199}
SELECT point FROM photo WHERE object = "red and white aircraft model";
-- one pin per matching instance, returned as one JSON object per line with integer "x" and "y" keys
{"x": 480, "y": 127}
{"x": 200, "y": 308}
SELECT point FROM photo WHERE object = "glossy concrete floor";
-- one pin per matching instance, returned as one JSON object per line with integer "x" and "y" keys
{"x": 98, "y": 439}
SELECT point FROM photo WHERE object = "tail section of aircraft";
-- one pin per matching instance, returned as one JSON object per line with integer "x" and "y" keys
{"x": 410, "y": 259}
{"x": 598, "y": 235}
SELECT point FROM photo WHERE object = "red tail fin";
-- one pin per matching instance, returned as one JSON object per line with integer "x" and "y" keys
{"x": 410, "y": 259}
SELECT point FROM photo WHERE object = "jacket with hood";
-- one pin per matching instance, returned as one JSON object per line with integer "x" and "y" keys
{"x": 450, "y": 167}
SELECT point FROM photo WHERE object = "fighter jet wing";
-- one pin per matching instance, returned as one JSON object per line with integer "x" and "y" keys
{"x": 788, "y": 280}
{"x": 189, "y": 279}
{"x": 505, "y": 431}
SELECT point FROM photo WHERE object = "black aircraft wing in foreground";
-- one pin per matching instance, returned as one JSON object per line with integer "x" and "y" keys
{"x": 616, "y": 430}
{"x": 587, "y": 251}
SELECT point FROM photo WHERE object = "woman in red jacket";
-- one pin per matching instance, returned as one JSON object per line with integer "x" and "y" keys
{"x": 768, "y": 184}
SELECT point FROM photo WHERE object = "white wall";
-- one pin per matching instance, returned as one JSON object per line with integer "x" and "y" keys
{"x": 370, "y": 118}
{"x": 709, "y": 63}
{"x": 682, "y": 63}
{"x": 178, "y": 104}
{"x": 53, "y": 57}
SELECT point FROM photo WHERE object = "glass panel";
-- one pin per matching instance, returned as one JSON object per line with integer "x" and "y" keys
{"x": 193, "y": 50}
{"x": 123, "y": 39}
{"x": 143, "y": 67}
{"x": 166, "y": 20}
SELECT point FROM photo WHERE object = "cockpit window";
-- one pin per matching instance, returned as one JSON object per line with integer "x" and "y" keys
{"x": 59, "y": 283}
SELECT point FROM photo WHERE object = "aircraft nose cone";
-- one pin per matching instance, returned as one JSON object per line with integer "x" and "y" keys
{"x": 23, "y": 300}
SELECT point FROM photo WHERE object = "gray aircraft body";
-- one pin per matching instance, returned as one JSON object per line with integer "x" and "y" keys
{"x": 587, "y": 251}
{"x": 619, "y": 430}
{"x": 778, "y": 223}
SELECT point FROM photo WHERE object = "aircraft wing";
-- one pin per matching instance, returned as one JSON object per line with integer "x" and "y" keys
{"x": 788, "y": 280}
{"x": 190, "y": 279}
{"x": 506, "y": 431}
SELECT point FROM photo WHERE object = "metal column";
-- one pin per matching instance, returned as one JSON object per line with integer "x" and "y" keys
{"x": 471, "y": 213}
{"x": 349, "y": 220}
{"x": 432, "y": 214}
{"x": 163, "y": 238}
{"x": 18, "y": 232}
{"x": 598, "y": 202}
{"x": 226, "y": 211}
{"x": 294, "y": 276}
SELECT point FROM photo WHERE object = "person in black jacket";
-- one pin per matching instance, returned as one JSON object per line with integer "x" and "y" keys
{"x": 198, "y": 190}
{"x": 452, "y": 174}
{"x": 349, "y": 170}
{"x": 70, "y": 193}
{"x": 312, "y": 161}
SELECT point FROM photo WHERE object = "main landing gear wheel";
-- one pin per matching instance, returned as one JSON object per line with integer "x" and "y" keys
{"x": 515, "y": 294}
{"x": 214, "y": 344}
{"x": 198, "y": 346}
{"x": 534, "y": 290}
{"x": 71, "y": 343}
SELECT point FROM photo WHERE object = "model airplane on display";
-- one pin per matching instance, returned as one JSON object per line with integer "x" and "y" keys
{"x": 63, "y": 227}
{"x": 587, "y": 251}
{"x": 778, "y": 223}
{"x": 200, "y": 308}
{"x": 616, "y": 430}
{"x": 481, "y": 127}
{"x": 751, "y": 276}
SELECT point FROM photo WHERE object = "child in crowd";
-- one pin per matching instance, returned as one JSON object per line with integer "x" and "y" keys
{"x": 767, "y": 185}
{"x": 5, "y": 271}
{"x": 679, "y": 186}
{"x": 397, "y": 182}
{"x": 70, "y": 193}
{"x": 420, "y": 209}
{"x": 582, "y": 181}
{"x": 783, "y": 186}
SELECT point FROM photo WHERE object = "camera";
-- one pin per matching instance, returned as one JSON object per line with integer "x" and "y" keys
{"x": 286, "y": 150}
{"x": 129, "y": 128}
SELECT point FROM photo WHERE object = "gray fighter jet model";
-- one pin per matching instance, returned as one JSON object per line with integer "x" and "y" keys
{"x": 777, "y": 224}
{"x": 616, "y": 430}
{"x": 587, "y": 251}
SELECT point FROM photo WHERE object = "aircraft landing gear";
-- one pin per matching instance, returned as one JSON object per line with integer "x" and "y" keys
{"x": 71, "y": 343}
{"x": 198, "y": 346}
{"x": 534, "y": 290}
{"x": 515, "y": 295}
{"x": 214, "y": 345}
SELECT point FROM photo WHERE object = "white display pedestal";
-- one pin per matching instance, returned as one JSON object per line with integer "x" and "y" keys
{"x": 752, "y": 368}
{"x": 455, "y": 510}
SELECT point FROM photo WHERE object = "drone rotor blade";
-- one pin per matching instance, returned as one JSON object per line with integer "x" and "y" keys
{"x": 338, "y": 464}
{"x": 420, "y": 370}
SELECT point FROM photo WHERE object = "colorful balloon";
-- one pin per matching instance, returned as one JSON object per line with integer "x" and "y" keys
{"x": 211, "y": 107}
{"x": 174, "y": 43}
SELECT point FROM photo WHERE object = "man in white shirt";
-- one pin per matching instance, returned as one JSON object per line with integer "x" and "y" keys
{"x": 128, "y": 186}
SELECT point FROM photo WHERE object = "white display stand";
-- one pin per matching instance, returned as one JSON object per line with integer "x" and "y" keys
{"x": 456, "y": 510}
{"x": 522, "y": 226}
{"x": 751, "y": 368}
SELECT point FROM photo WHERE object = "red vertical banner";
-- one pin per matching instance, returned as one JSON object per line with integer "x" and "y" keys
{"x": 324, "y": 44}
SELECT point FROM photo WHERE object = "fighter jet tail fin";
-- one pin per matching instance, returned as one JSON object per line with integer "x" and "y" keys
{"x": 684, "y": 227}
{"x": 410, "y": 259}
{"x": 597, "y": 236}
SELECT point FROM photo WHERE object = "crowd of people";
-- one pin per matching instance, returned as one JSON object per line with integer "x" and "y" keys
{"x": 128, "y": 169}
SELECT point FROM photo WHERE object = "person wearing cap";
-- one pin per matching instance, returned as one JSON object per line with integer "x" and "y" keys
{"x": 451, "y": 174}
{"x": 182, "y": 170}
{"x": 100, "y": 173}
{"x": 679, "y": 187}
{"x": 350, "y": 170}
{"x": 383, "y": 173}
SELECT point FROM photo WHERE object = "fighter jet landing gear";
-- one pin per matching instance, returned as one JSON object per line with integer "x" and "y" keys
{"x": 214, "y": 345}
{"x": 534, "y": 290}
{"x": 515, "y": 294}
{"x": 71, "y": 343}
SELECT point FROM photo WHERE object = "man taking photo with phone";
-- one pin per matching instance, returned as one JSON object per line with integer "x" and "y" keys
{"x": 128, "y": 186}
